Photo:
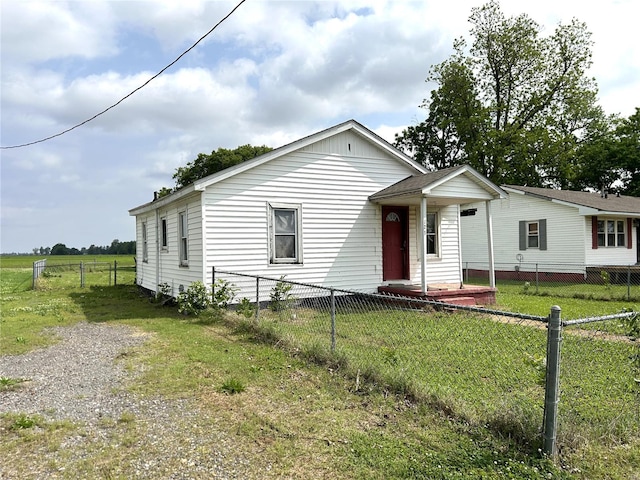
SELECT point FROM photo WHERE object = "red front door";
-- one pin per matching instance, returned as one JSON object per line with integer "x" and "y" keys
{"x": 395, "y": 243}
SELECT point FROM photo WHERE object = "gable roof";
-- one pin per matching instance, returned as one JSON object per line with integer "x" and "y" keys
{"x": 349, "y": 125}
{"x": 588, "y": 203}
{"x": 422, "y": 184}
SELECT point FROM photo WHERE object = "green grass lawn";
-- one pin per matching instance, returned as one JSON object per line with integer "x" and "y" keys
{"x": 471, "y": 406}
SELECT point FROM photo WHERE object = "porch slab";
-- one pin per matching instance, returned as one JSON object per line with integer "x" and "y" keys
{"x": 447, "y": 293}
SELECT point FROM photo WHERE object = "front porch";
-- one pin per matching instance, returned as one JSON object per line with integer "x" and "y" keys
{"x": 447, "y": 293}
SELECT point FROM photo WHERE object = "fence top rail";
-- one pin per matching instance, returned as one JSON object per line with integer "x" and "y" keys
{"x": 414, "y": 300}
{"x": 614, "y": 316}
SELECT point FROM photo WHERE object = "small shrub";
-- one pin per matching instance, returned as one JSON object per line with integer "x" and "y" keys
{"x": 526, "y": 287}
{"x": 232, "y": 386}
{"x": 606, "y": 279}
{"x": 281, "y": 296}
{"x": 246, "y": 308}
{"x": 194, "y": 300}
{"x": 8, "y": 383}
{"x": 223, "y": 293}
{"x": 23, "y": 422}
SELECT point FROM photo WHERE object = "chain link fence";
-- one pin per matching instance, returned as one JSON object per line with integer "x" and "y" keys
{"x": 47, "y": 274}
{"x": 597, "y": 282}
{"x": 479, "y": 365}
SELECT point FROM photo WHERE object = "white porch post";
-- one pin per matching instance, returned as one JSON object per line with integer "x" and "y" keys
{"x": 492, "y": 270}
{"x": 423, "y": 245}
{"x": 460, "y": 249}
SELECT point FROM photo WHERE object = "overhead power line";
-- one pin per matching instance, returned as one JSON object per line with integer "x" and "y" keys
{"x": 132, "y": 92}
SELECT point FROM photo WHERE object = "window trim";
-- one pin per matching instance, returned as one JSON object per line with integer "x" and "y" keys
{"x": 183, "y": 238}
{"x": 272, "y": 208}
{"x": 602, "y": 236}
{"x": 523, "y": 234}
{"x": 435, "y": 234}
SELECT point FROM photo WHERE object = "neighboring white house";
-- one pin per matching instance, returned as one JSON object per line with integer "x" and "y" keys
{"x": 317, "y": 210}
{"x": 560, "y": 231}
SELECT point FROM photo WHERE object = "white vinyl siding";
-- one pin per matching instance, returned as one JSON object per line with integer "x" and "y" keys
{"x": 341, "y": 239}
{"x": 168, "y": 263}
{"x": 568, "y": 236}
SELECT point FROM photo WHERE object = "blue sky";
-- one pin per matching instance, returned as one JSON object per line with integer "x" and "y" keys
{"x": 272, "y": 73}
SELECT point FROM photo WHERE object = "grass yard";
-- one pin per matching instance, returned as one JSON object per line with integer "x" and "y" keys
{"x": 462, "y": 417}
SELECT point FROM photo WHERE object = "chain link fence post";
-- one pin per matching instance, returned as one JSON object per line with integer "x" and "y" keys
{"x": 552, "y": 382}
{"x": 257, "y": 299}
{"x": 333, "y": 320}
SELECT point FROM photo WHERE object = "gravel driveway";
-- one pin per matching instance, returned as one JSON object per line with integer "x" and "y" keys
{"x": 80, "y": 379}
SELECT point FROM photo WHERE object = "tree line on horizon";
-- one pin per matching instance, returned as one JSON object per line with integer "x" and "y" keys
{"x": 116, "y": 248}
{"x": 517, "y": 106}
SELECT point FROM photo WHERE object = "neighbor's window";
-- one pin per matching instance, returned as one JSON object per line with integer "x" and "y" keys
{"x": 145, "y": 250}
{"x": 285, "y": 233}
{"x": 163, "y": 234}
{"x": 432, "y": 234}
{"x": 533, "y": 235}
{"x": 611, "y": 233}
{"x": 183, "y": 233}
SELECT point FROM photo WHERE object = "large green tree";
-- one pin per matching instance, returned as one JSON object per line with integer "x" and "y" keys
{"x": 513, "y": 104}
{"x": 207, "y": 164}
{"x": 610, "y": 159}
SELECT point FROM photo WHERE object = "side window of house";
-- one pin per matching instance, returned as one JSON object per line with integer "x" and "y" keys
{"x": 533, "y": 234}
{"x": 164, "y": 244}
{"x": 145, "y": 248}
{"x": 611, "y": 233}
{"x": 285, "y": 233}
{"x": 432, "y": 234}
{"x": 183, "y": 234}
{"x": 533, "y": 239}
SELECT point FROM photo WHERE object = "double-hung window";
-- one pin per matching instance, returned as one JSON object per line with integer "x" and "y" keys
{"x": 533, "y": 235}
{"x": 611, "y": 233}
{"x": 145, "y": 246}
{"x": 183, "y": 234}
{"x": 164, "y": 244}
{"x": 285, "y": 233}
{"x": 432, "y": 234}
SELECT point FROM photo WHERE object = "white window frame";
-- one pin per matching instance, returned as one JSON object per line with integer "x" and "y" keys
{"x": 145, "y": 245}
{"x": 272, "y": 208}
{"x": 533, "y": 236}
{"x": 183, "y": 238}
{"x": 619, "y": 232}
{"x": 435, "y": 234}
{"x": 164, "y": 235}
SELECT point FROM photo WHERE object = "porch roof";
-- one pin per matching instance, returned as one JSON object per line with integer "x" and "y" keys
{"x": 454, "y": 185}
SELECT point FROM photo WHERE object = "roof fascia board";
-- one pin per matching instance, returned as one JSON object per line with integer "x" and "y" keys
{"x": 148, "y": 207}
{"x": 466, "y": 169}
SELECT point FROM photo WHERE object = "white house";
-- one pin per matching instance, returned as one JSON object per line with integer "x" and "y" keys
{"x": 559, "y": 231}
{"x": 340, "y": 208}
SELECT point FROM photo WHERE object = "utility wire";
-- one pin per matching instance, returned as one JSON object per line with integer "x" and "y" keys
{"x": 132, "y": 92}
